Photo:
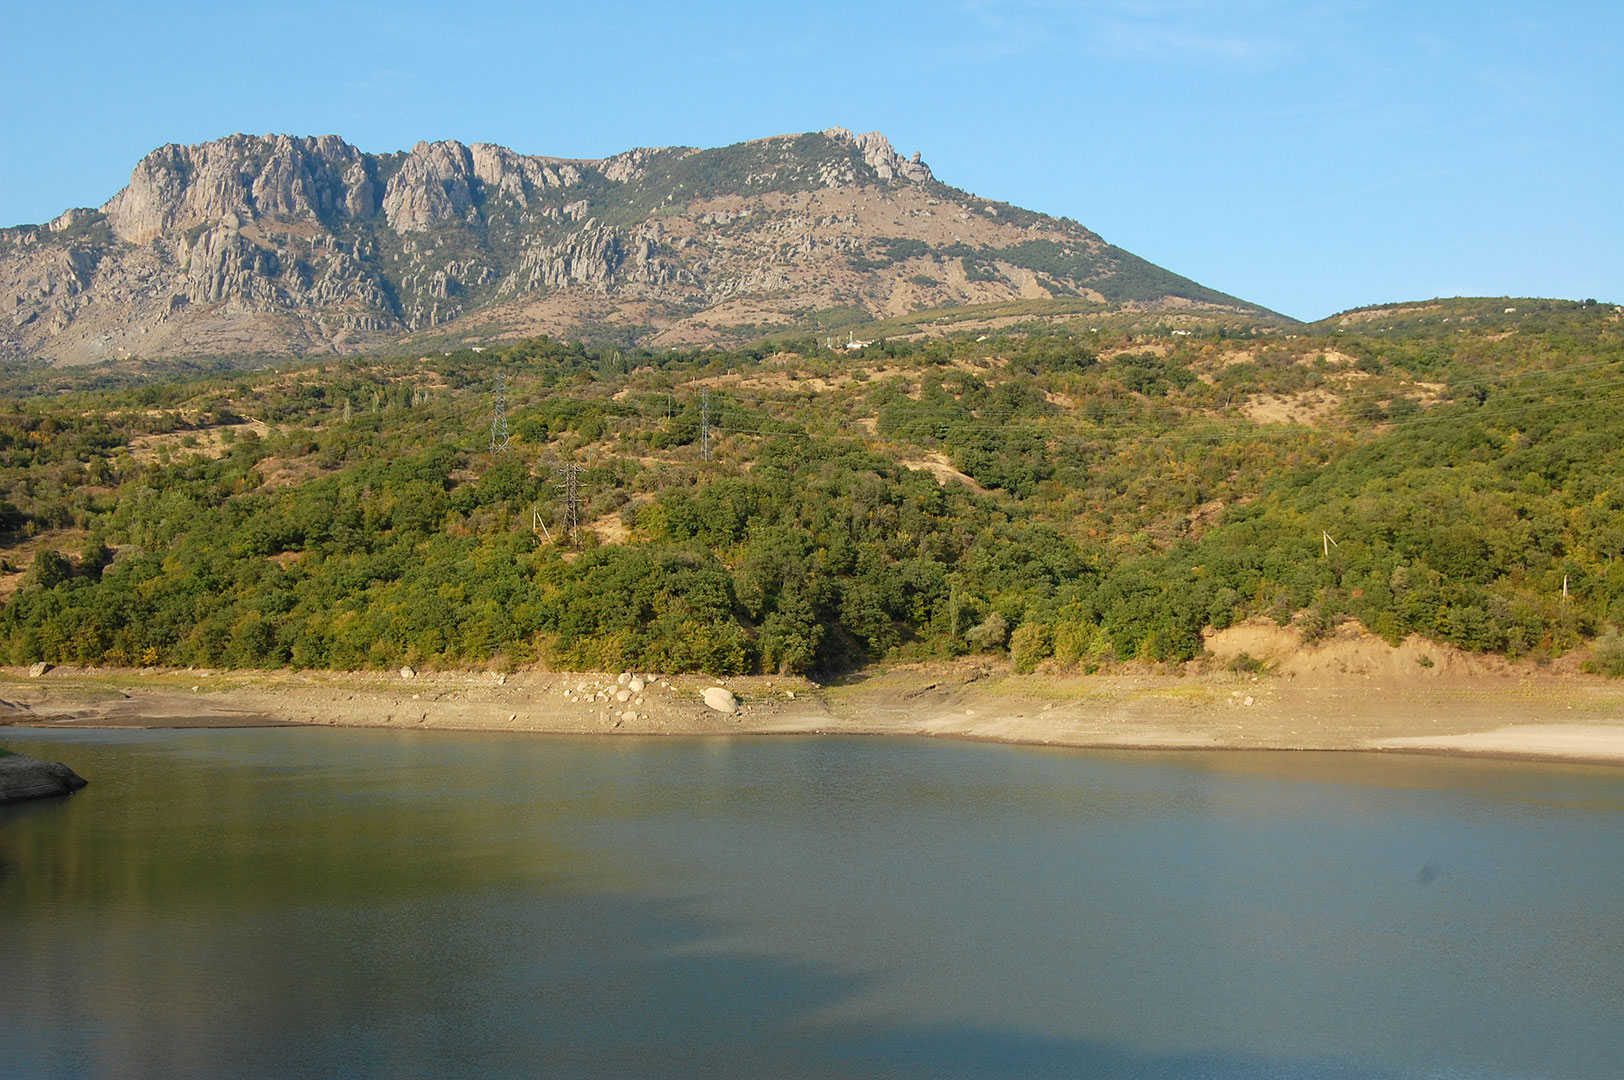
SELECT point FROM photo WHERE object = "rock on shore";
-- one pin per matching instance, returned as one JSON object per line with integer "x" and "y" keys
{"x": 721, "y": 699}
{"x": 23, "y": 777}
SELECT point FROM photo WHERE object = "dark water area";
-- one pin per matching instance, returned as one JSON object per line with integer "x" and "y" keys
{"x": 363, "y": 903}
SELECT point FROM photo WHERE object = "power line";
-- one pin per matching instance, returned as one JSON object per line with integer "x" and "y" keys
{"x": 704, "y": 425}
{"x": 499, "y": 425}
{"x": 572, "y": 501}
{"x": 1165, "y": 433}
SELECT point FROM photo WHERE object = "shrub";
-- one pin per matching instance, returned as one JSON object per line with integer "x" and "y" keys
{"x": 1246, "y": 663}
{"x": 1029, "y": 644}
{"x": 50, "y": 568}
{"x": 1607, "y": 656}
{"x": 990, "y": 634}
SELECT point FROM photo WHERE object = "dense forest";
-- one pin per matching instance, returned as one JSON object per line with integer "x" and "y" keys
{"x": 1075, "y": 497}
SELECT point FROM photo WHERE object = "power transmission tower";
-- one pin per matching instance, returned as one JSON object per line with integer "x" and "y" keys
{"x": 499, "y": 427}
{"x": 572, "y": 501}
{"x": 704, "y": 425}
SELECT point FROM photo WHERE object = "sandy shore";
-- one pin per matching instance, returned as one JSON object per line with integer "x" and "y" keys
{"x": 1348, "y": 695}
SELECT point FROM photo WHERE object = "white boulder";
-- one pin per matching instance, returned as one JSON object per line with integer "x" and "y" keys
{"x": 721, "y": 699}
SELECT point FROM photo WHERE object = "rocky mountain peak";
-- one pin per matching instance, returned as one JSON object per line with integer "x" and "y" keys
{"x": 246, "y": 177}
{"x": 444, "y": 181}
{"x": 879, "y": 155}
{"x": 280, "y": 243}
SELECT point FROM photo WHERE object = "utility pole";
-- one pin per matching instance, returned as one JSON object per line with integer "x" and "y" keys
{"x": 537, "y": 525}
{"x": 704, "y": 424}
{"x": 572, "y": 501}
{"x": 499, "y": 425}
{"x": 1325, "y": 538}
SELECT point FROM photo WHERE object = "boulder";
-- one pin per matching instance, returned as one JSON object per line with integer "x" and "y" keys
{"x": 407, "y": 673}
{"x": 636, "y": 685}
{"x": 36, "y": 670}
{"x": 721, "y": 699}
{"x": 23, "y": 777}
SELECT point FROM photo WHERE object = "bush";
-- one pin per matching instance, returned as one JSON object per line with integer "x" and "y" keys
{"x": 1246, "y": 663}
{"x": 1315, "y": 625}
{"x": 50, "y": 568}
{"x": 1607, "y": 656}
{"x": 1029, "y": 644}
{"x": 992, "y": 632}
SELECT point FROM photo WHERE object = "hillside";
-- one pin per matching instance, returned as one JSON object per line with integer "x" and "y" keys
{"x": 280, "y": 245}
{"x": 1073, "y": 499}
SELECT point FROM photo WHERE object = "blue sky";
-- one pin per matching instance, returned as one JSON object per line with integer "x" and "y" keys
{"x": 1309, "y": 156}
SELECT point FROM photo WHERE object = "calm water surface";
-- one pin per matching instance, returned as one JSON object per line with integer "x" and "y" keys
{"x": 357, "y": 903}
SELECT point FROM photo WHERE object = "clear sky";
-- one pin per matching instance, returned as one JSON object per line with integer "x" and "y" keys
{"x": 1309, "y": 156}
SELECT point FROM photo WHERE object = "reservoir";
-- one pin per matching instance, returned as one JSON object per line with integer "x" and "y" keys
{"x": 383, "y": 903}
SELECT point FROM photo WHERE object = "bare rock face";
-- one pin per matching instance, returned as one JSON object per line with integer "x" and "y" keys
{"x": 878, "y": 155}
{"x": 448, "y": 182}
{"x": 23, "y": 777}
{"x": 626, "y": 167}
{"x": 520, "y": 178}
{"x": 282, "y": 244}
{"x": 242, "y": 177}
{"x": 434, "y": 184}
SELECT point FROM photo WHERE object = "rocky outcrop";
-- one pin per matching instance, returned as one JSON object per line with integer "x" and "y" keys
{"x": 241, "y": 178}
{"x": 284, "y": 244}
{"x": 448, "y": 182}
{"x": 625, "y": 167}
{"x": 597, "y": 257}
{"x": 878, "y": 155}
{"x": 23, "y": 777}
{"x": 520, "y": 178}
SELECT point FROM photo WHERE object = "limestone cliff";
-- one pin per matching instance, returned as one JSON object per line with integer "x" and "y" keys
{"x": 281, "y": 244}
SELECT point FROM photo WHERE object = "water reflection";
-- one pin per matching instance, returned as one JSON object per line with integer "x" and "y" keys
{"x": 365, "y": 903}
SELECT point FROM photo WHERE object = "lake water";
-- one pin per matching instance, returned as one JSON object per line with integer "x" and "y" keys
{"x": 365, "y": 903}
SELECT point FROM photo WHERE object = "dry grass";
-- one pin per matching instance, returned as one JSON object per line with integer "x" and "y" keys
{"x": 208, "y": 442}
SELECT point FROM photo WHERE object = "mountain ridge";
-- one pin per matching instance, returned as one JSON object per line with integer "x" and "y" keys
{"x": 305, "y": 244}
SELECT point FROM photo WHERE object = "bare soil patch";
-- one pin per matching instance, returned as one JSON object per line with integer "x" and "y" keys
{"x": 937, "y": 464}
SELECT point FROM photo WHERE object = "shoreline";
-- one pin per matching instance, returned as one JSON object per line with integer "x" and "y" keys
{"x": 1509, "y": 714}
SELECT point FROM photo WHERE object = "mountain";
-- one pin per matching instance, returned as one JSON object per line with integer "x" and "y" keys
{"x": 289, "y": 245}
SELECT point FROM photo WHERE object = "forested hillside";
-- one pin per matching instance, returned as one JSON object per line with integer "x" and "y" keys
{"x": 1079, "y": 498}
